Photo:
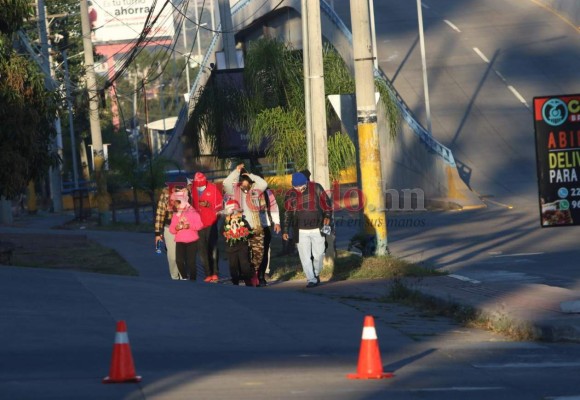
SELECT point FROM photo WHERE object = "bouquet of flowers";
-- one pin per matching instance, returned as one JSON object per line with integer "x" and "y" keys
{"x": 236, "y": 229}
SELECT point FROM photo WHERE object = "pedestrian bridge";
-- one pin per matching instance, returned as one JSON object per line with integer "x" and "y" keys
{"x": 412, "y": 160}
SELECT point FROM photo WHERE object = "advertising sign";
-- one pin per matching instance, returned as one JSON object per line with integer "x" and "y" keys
{"x": 124, "y": 20}
{"x": 557, "y": 126}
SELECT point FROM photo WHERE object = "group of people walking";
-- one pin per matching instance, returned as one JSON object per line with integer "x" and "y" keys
{"x": 188, "y": 214}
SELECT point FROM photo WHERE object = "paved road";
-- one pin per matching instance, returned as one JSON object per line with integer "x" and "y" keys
{"x": 486, "y": 59}
{"x": 212, "y": 341}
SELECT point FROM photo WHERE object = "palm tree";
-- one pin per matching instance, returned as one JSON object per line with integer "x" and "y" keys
{"x": 271, "y": 106}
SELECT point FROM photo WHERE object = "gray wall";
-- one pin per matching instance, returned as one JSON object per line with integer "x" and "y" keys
{"x": 569, "y": 9}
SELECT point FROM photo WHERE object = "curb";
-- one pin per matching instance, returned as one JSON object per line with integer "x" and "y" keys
{"x": 501, "y": 318}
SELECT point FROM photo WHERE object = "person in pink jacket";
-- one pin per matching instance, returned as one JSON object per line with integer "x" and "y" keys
{"x": 185, "y": 223}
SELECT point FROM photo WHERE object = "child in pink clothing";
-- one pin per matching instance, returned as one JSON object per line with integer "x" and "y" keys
{"x": 185, "y": 223}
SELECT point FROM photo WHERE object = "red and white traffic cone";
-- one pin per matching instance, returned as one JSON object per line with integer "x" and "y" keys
{"x": 369, "y": 359}
{"x": 122, "y": 368}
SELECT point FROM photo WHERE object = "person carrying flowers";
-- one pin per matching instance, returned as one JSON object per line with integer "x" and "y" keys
{"x": 237, "y": 232}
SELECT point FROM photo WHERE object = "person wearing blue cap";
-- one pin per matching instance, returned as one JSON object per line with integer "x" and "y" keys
{"x": 308, "y": 210}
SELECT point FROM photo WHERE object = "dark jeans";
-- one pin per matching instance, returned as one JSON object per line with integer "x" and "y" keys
{"x": 239, "y": 259}
{"x": 185, "y": 254}
{"x": 208, "y": 250}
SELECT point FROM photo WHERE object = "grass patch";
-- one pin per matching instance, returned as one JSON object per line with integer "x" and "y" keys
{"x": 402, "y": 293}
{"x": 348, "y": 266}
{"x": 66, "y": 252}
{"x": 93, "y": 224}
{"x": 126, "y": 227}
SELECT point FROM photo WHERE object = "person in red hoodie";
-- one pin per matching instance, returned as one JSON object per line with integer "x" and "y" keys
{"x": 207, "y": 200}
{"x": 185, "y": 224}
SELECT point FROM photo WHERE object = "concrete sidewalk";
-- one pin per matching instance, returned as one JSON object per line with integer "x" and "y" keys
{"x": 535, "y": 308}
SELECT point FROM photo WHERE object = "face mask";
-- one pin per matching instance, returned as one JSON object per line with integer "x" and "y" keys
{"x": 200, "y": 189}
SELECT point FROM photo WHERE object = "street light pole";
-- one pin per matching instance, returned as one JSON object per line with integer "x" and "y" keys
{"x": 55, "y": 172}
{"x": 424, "y": 65}
{"x": 188, "y": 55}
{"x": 73, "y": 144}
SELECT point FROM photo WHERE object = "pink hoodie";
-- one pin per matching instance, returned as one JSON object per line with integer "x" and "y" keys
{"x": 187, "y": 215}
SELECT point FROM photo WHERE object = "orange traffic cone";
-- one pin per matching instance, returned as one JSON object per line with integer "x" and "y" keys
{"x": 122, "y": 368}
{"x": 369, "y": 358}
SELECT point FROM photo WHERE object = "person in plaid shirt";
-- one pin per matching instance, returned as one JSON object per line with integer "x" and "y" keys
{"x": 163, "y": 220}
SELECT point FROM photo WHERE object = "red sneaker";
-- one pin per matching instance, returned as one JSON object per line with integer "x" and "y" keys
{"x": 214, "y": 278}
{"x": 208, "y": 278}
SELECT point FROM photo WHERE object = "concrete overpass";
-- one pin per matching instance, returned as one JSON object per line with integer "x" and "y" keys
{"x": 413, "y": 160}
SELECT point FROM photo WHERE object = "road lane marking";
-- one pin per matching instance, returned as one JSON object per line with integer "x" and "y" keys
{"x": 455, "y": 28}
{"x": 518, "y": 96}
{"x": 529, "y": 365}
{"x": 518, "y": 255}
{"x": 425, "y": 5}
{"x": 481, "y": 55}
{"x": 458, "y": 389}
{"x": 464, "y": 278}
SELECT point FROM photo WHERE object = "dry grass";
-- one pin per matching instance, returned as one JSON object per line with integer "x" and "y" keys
{"x": 348, "y": 266}
{"x": 66, "y": 252}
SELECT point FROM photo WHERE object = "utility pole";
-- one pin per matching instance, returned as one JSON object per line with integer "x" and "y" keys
{"x": 212, "y": 6}
{"x": 198, "y": 30}
{"x": 228, "y": 38}
{"x": 134, "y": 126}
{"x": 314, "y": 91}
{"x": 315, "y": 104}
{"x": 307, "y": 108}
{"x": 98, "y": 155}
{"x": 375, "y": 223}
{"x": 55, "y": 173}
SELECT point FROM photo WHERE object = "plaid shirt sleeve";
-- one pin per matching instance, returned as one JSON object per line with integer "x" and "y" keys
{"x": 162, "y": 206}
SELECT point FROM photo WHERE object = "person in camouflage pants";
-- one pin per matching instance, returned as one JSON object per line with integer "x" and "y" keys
{"x": 247, "y": 189}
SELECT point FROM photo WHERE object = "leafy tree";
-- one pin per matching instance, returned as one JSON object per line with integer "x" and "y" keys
{"x": 271, "y": 106}
{"x": 28, "y": 109}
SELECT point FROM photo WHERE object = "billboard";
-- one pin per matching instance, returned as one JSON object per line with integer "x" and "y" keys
{"x": 124, "y": 20}
{"x": 232, "y": 141}
{"x": 557, "y": 128}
